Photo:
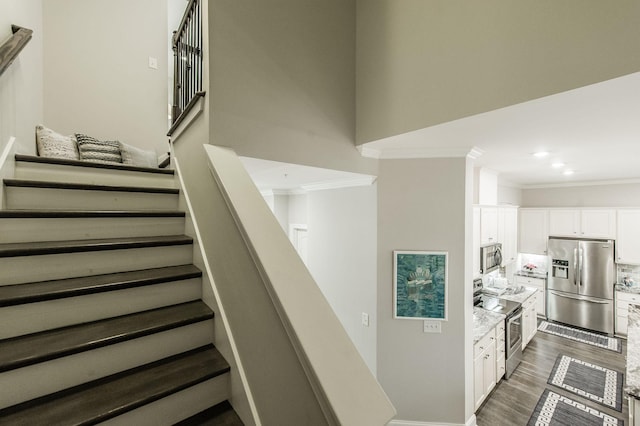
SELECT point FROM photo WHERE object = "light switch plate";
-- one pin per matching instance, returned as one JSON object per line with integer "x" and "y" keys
{"x": 153, "y": 63}
{"x": 365, "y": 319}
{"x": 432, "y": 326}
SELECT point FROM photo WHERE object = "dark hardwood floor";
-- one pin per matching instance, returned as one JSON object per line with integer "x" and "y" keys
{"x": 512, "y": 401}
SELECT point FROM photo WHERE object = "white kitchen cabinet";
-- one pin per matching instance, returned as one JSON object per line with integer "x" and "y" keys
{"x": 488, "y": 225}
{"x": 540, "y": 285}
{"x": 628, "y": 237}
{"x": 582, "y": 223}
{"x": 623, "y": 300}
{"x": 533, "y": 230}
{"x": 508, "y": 233}
{"x": 484, "y": 367}
{"x": 476, "y": 242}
{"x": 501, "y": 353}
{"x": 529, "y": 319}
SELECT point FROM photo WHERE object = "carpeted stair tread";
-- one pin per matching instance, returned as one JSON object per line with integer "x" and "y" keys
{"x": 75, "y": 246}
{"x": 43, "y": 346}
{"x": 79, "y": 163}
{"x": 25, "y": 183}
{"x": 219, "y": 415}
{"x": 56, "y": 289}
{"x": 107, "y": 398}
{"x": 75, "y": 214}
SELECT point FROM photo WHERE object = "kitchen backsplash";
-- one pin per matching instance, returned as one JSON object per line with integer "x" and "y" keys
{"x": 629, "y": 274}
{"x": 538, "y": 262}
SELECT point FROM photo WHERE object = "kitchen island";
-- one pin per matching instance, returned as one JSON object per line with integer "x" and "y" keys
{"x": 633, "y": 365}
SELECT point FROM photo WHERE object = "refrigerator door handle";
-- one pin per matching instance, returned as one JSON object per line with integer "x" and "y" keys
{"x": 575, "y": 266}
{"x": 580, "y": 266}
{"x": 566, "y": 296}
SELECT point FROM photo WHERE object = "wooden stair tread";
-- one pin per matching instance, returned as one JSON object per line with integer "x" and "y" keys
{"x": 27, "y": 183}
{"x": 219, "y": 415}
{"x": 75, "y": 246}
{"x": 79, "y": 163}
{"x": 55, "y": 214}
{"x": 43, "y": 346}
{"x": 69, "y": 287}
{"x": 107, "y": 398}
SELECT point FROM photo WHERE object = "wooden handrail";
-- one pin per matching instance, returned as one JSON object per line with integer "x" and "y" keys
{"x": 13, "y": 46}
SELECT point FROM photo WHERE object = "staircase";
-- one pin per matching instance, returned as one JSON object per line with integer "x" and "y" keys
{"x": 101, "y": 311}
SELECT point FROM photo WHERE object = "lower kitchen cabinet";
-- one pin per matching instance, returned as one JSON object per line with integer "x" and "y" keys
{"x": 501, "y": 352}
{"x": 540, "y": 284}
{"x": 529, "y": 319}
{"x": 622, "y": 309}
{"x": 484, "y": 367}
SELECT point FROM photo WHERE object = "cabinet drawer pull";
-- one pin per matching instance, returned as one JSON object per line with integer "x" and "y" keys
{"x": 487, "y": 356}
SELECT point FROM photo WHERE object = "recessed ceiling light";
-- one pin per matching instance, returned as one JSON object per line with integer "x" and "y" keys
{"x": 540, "y": 154}
{"x": 568, "y": 172}
{"x": 557, "y": 165}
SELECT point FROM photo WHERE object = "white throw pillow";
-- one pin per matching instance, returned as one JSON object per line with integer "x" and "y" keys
{"x": 55, "y": 145}
{"x": 138, "y": 157}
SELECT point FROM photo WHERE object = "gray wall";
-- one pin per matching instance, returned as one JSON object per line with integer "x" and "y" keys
{"x": 422, "y": 63}
{"x": 97, "y": 78}
{"x": 342, "y": 259}
{"x": 426, "y": 375}
{"x": 21, "y": 105}
{"x": 283, "y": 81}
{"x": 614, "y": 195}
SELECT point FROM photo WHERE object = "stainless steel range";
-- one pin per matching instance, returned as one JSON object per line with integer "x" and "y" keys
{"x": 513, "y": 325}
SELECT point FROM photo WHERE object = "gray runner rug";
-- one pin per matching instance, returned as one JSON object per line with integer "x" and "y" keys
{"x": 590, "y": 381}
{"x": 557, "y": 410}
{"x": 594, "y": 339}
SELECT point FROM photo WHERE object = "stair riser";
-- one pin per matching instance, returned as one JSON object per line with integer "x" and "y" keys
{"x": 83, "y": 367}
{"x": 23, "y": 269}
{"x": 34, "y": 317}
{"x": 178, "y": 406}
{"x": 74, "y": 199}
{"x": 61, "y": 173}
{"x": 19, "y": 230}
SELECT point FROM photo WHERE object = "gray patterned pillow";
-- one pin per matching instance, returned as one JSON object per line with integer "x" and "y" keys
{"x": 54, "y": 145}
{"x": 97, "y": 151}
{"x": 138, "y": 157}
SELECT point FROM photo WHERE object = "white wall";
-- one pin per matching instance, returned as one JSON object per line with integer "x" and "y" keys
{"x": 283, "y": 81}
{"x": 342, "y": 259}
{"x": 21, "y": 105}
{"x": 97, "y": 78}
{"x": 298, "y": 208}
{"x": 422, "y": 63}
{"x": 509, "y": 195}
{"x": 615, "y": 195}
{"x": 426, "y": 205}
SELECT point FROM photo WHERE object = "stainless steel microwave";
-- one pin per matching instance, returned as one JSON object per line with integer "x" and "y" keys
{"x": 490, "y": 257}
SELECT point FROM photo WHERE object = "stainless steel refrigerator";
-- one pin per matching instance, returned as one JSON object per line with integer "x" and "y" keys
{"x": 581, "y": 281}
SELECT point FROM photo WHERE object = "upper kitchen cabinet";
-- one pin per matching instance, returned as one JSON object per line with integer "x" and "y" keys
{"x": 533, "y": 230}
{"x": 508, "y": 233}
{"x": 488, "y": 225}
{"x": 582, "y": 223}
{"x": 628, "y": 237}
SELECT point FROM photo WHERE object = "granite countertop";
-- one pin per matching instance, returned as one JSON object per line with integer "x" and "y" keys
{"x": 520, "y": 297}
{"x": 633, "y": 352}
{"x": 624, "y": 289}
{"x": 529, "y": 274}
{"x": 483, "y": 322}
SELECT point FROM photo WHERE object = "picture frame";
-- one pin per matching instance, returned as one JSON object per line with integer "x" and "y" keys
{"x": 420, "y": 285}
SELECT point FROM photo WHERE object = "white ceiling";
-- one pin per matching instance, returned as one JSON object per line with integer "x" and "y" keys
{"x": 594, "y": 130}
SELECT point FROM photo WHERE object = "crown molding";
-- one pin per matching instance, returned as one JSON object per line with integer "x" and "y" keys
{"x": 403, "y": 153}
{"x": 583, "y": 183}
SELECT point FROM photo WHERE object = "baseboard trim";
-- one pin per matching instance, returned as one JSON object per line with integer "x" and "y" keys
{"x": 470, "y": 422}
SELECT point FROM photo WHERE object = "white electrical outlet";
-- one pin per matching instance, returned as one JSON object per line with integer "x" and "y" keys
{"x": 432, "y": 327}
{"x": 365, "y": 319}
{"x": 153, "y": 63}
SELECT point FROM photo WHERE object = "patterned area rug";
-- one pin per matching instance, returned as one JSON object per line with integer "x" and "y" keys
{"x": 610, "y": 343}
{"x": 590, "y": 381}
{"x": 554, "y": 409}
